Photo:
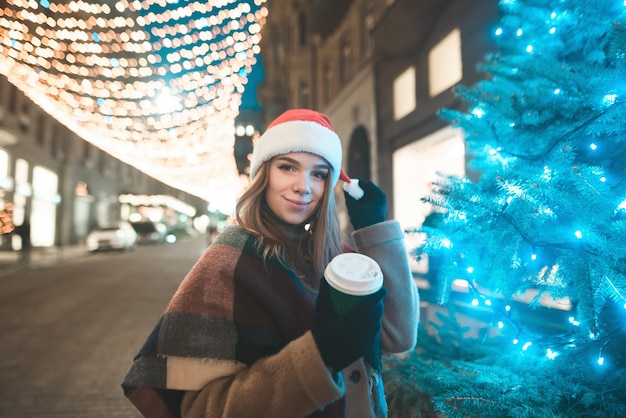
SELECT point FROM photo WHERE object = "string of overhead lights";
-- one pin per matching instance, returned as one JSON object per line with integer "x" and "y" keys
{"x": 155, "y": 83}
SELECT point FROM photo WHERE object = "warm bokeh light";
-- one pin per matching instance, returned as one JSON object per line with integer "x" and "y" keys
{"x": 156, "y": 83}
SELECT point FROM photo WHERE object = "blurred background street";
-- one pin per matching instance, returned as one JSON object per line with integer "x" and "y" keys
{"x": 70, "y": 330}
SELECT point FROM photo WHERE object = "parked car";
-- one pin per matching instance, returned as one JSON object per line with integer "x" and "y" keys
{"x": 149, "y": 232}
{"x": 118, "y": 236}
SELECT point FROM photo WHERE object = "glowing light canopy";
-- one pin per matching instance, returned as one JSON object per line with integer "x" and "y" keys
{"x": 155, "y": 83}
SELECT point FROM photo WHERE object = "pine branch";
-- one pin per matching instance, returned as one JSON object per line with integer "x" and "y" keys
{"x": 555, "y": 142}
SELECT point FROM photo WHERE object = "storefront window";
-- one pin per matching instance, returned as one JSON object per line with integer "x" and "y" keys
{"x": 6, "y": 206}
{"x": 22, "y": 190}
{"x": 415, "y": 167}
{"x": 44, "y": 207}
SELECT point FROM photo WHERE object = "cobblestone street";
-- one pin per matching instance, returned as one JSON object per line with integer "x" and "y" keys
{"x": 70, "y": 330}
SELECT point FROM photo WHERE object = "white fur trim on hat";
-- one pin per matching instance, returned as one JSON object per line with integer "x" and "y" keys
{"x": 298, "y": 136}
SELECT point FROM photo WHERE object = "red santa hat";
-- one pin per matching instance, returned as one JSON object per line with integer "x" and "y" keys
{"x": 299, "y": 130}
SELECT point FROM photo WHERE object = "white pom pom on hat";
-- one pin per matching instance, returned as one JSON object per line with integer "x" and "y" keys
{"x": 351, "y": 186}
{"x": 299, "y": 130}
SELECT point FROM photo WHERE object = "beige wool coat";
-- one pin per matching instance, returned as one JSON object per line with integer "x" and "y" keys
{"x": 299, "y": 369}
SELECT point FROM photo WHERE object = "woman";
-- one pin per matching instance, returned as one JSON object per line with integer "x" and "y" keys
{"x": 251, "y": 331}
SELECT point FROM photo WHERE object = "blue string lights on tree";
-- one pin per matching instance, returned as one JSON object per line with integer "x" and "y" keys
{"x": 156, "y": 83}
{"x": 543, "y": 222}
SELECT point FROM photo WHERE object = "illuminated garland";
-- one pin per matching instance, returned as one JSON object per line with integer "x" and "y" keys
{"x": 156, "y": 84}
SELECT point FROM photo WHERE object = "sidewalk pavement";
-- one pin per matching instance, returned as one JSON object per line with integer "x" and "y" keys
{"x": 12, "y": 261}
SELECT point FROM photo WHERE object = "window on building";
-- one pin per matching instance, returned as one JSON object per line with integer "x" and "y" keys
{"x": 304, "y": 94}
{"x": 113, "y": 169}
{"x": 367, "y": 26}
{"x": 68, "y": 143}
{"x": 404, "y": 93}
{"x": 125, "y": 174}
{"x": 302, "y": 29}
{"x": 288, "y": 40}
{"x": 87, "y": 155}
{"x": 24, "y": 116}
{"x": 101, "y": 162}
{"x": 12, "y": 105}
{"x": 275, "y": 54}
{"x": 345, "y": 59}
{"x": 327, "y": 82}
{"x": 2, "y": 97}
{"x": 58, "y": 144}
{"x": 40, "y": 131}
{"x": 445, "y": 64}
{"x": 277, "y": 48}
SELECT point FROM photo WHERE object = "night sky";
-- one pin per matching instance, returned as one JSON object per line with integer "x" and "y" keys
{"x": 249, "y": 100}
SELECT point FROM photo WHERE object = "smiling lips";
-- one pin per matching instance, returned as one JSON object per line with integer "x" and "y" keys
{"x": 298, "y": 205}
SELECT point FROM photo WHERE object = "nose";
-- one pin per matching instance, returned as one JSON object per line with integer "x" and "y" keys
{"x": 302, "y": 184}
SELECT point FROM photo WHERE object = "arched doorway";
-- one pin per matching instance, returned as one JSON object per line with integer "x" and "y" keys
{"x": 358, "y": 159}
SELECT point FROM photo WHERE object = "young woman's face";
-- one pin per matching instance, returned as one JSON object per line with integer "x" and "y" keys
{"x": 296, "y": 185}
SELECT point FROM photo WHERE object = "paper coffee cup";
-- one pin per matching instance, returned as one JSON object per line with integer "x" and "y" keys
{"x": 352, "y": 276}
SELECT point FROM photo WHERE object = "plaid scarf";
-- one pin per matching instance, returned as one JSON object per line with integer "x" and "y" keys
{"x": 231, "y": 309}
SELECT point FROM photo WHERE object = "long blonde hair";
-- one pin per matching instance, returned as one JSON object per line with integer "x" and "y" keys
{"x": 321, "y": 241}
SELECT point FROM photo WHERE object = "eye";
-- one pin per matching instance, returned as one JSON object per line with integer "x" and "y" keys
{"x": 286, "y": 167}
{"x": 322, "y": 175}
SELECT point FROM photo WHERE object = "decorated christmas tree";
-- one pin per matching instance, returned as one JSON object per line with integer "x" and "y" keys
{"x": 536, "y": 232}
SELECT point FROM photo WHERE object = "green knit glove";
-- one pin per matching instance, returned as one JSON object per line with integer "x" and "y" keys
{"x": 343, "y": 339}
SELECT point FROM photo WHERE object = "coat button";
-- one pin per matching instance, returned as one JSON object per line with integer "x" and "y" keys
{"x": 355, "y": 376}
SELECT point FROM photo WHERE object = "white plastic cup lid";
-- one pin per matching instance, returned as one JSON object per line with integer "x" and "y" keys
{"x": 354, "y": 274}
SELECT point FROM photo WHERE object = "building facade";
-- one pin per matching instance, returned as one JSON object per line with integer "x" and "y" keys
{"x": 423, "y": 50}
{"x": 381, "y": 69}
{"x": 63, "y": 186}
